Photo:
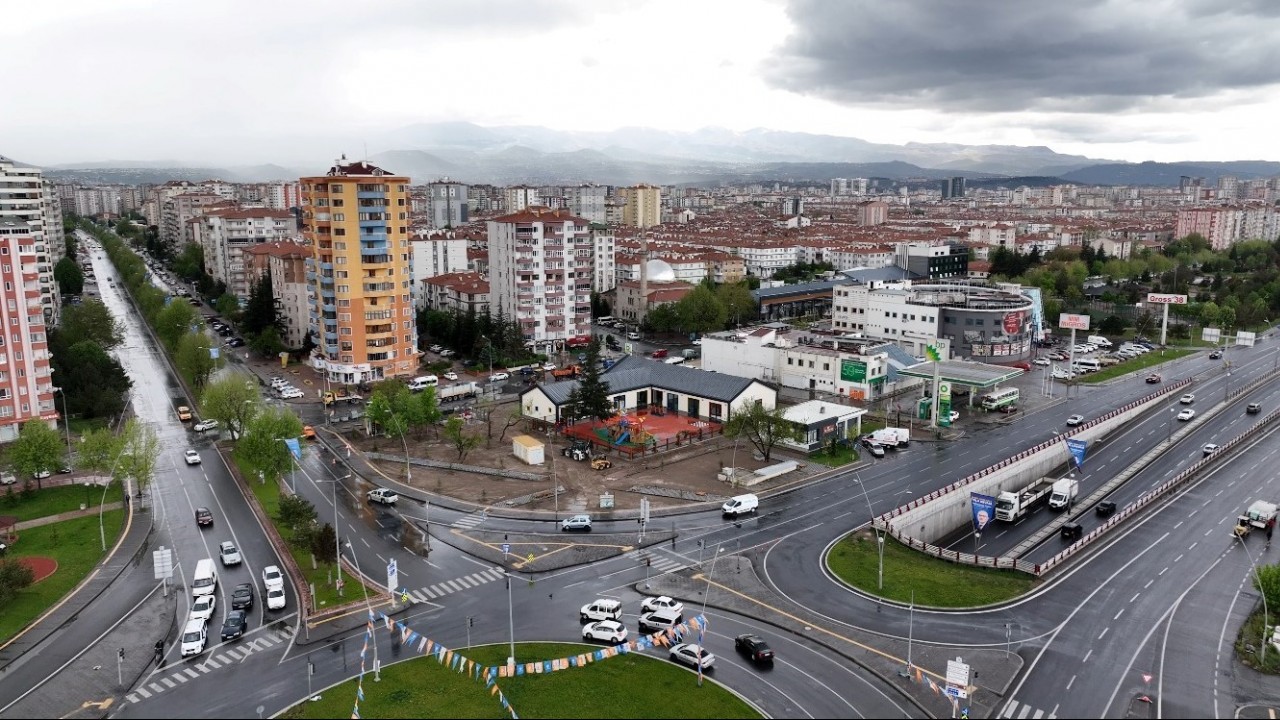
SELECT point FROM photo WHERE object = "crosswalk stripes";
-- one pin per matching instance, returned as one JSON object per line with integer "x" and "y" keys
{"x": 1023, "y": 711}
{"x": 458, "y": 584}
{"x": 185, "y": 674}
{"x": 469, "y": 521}
{"x": 657, "y": 562}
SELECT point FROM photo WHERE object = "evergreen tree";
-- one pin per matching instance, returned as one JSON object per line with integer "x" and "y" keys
{"x": 593, "y": 392}
{"x": 260, "y": 312}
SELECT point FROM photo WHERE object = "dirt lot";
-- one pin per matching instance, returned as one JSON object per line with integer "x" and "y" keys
{"x": 677, "y": 477}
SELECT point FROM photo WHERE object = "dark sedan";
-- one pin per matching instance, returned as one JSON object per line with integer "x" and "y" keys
{"x": 242, "y": 597}
{"x": 755, "y": 648}
{"x": 237, "y": 622}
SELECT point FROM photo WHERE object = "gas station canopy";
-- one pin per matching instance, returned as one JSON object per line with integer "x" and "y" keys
{"x": 963, "y": 372}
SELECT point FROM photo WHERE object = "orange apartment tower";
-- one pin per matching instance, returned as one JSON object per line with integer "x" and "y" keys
{"x": 355, "y": 219}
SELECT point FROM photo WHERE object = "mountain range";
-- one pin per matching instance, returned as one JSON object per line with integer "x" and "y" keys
{"x": 505, "y": 155}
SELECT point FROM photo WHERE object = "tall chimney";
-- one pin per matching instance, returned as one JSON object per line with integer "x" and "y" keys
{"x": 644, "y": 273}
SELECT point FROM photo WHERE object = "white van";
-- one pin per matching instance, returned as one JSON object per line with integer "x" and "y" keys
{"x": 194, "y": 636}
{"x": 422, "y": 382}
{"x": 740, "y": 505}
{"x": 1087, "y": 365}
{"x": 205, "y": 580}
{"x": 1099, "y": 341}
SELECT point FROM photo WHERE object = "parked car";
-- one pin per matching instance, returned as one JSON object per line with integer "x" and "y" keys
{"x": 293, "y": 394}
{"x": 754, "y": 647}
{"x": 386, "y": 496}
{"x": 1043, "y": 361}
{"x": 435, "y": 348}
{"x": 242, "y": 597}
{"x": 601, "y": 609}
{"x": 692, "y": 655}
{"x": 236, "y": 623}
{"x": 228, "y": 553}
{"x": 610, "y": 631}
{"x": 451, "y": 376}
{"x": 499, "y": 377}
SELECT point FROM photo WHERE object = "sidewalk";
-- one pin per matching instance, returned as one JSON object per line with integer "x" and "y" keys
{"x": 132, "y": 542}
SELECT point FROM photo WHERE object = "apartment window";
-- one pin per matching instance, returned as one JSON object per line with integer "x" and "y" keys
{"x": 344, "y": 288}
{"x": 4, "y": 250}
{"x": 341, "y": 260}
{"x": 8, "y": 286}
{"x": 344, "y": 331}
{"x": 8, "y": 268}
{"x": 344, "y": 303}
{"x": 339, "y": 231}
{"x": 339, "y": 217}
{"x": 335, "y": 188}
{"x": 340, "y": 274}
{"x": 346, "y": 358}
{"x": 346, "y": 345}
{"x": 344, "y": 317}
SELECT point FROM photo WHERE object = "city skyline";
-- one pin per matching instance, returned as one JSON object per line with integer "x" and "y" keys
{"x": 1167, "y": 81}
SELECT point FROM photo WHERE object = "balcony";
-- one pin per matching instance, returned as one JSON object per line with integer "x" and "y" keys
{"x": 331, "y": 337}
{"x": 331, "y": 350}
{"x": 329, "y": 308}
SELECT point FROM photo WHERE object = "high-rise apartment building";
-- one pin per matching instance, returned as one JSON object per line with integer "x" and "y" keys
{"x": 356, "y": 220}
{"x": 952, "y": 187}
{"x": 433, "y": 256}
{"x": 226, "y": 234}
{"x": 520, "y": 197}
{"x": 447, "y": 204}
{"x": 540, "y": 268}
{"x": 642, "y": 205}
{"x": 588, "y": 202}
{"x": 26, "y": 390}
{"x": 26, "y": 198}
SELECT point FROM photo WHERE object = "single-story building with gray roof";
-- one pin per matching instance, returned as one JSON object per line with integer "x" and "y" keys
{"x": 637, "y": 383}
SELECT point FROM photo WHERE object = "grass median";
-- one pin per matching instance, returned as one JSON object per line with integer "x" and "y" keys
{"x": 936, "y": 583}
{"x": 77, "y": 547}
{"x": 1142, "y": 362}
{"x": 635, "y": 685}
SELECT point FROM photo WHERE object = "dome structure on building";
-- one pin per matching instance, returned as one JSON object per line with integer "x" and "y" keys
{"x": 659, "y": 271}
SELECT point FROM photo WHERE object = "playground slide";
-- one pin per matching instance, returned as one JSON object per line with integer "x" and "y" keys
{"x": 622, "y": 438}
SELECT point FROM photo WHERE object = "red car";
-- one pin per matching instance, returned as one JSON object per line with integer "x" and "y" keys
{"x": 658, "y": 354}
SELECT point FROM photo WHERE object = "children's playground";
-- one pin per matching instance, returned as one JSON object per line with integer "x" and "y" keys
{"x": 639, "y": 432}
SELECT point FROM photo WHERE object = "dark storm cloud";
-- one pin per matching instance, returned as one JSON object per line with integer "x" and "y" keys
{"x": 1081, "y": 56}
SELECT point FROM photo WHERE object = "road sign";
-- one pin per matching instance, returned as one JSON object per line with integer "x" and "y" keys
{"x": 1067, "y": 321}
{"x": 957, "y": 678}
{"x": 1211, "y": 335}
{"x": 393, "y": 576}
{"x": 1163, "y": 299}
{"x": 506, "y": 548}
{"x": 162, "y": 563}
{"x": 954, "y": 692}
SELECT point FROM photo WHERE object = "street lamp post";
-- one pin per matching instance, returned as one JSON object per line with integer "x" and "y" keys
{"x": 879, "y": 534}
{"x": 66, "y": 419}
{"x": 711, "y": 574}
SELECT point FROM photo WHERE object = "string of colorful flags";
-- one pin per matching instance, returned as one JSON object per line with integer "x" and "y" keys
{"x": 457, "y": 662}
{"x": 918, "y": 675}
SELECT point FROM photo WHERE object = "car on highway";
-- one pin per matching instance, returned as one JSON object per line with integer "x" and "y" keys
{"x": 203, "y": 607}
{"x": 1187, "y": 399}
{"x": 204, "y": 425}
{"x": 1209, "y": 449}
{"x": 1186, "y": 415}
{"x": 1253, "y": 408}
{"x": 754, "y": 647}
{"x": 234, "y": 626}
{"x": 692, "y": 655}
{"x": 499, "y": 377}
{"x": 1216, "y": 354}
{"x": 577, "y": 522}
{"x": 272, "y": 578}
{"x": 386, "y": 496}
{"x": 1075, "y": 420}
{"x": 275, "y": 598}
{"x": 203, "y": 517}
{"x": 662, "y": 602}
{"x": 242, "y": 597}
{"x": 228, "y": 553}
{"x": 192, "y": 457}
{"x": 450, "y": 376}
{"x": 610, "y": 631}
{"x": 1154, "y": 378}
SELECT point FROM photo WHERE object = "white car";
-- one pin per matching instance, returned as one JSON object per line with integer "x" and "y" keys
{"x": 204, "y": 425}
{"x": 633, "y": 336}
{"x": 451, "y": 376}
{"x": 292, "y": 394}
{"x": 1075, "y": 420}
{"x": 698, "y": 341}
{"x": 228, "y": 553}
{"x": 192, "y": 457}
{"x": 382, "y": 495}
{"x": 610, "y": 631}
{"x": 549, "y": 366}
{"x": 1043, "y": 361}
{"x": 272, "y": 578}
{"x": 1061, "y": 374}
{"x": 436, "y": 348}
{"x": 203, "y": 607}
{"x": 1187, "y": 399}
{"x": 662, "y": 602}
{"x": 1186, "y": 414}
{"x": 1209, "y": 449}
{"x": 275, "y": 598}
{"x": 499, "y": 377}
{"x": 193, "y": 638}
{"x": 692, "y": 655}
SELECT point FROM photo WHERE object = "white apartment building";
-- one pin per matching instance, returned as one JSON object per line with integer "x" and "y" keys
{"x": 226, "y": 234}
{"x": 460, "y": 292}
{"x": 604, "y": 278}
{"x": 286, "y": 262}
{"x": 178, "y": 211}
{"x": 431, "y": 256}
{"x": 26, "y": 198}
{"x": 588, "y": 203}
{"x": 764, "y": 260}
{"x": 540, "y": 267}
{"x": 26, "y": 390}
{"x": 447, "y": 204}
{"x": 520, "y": 197}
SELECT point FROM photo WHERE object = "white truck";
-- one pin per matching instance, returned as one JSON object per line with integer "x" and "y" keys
{"x": 1011, "y": 506}
{"x": 892, "y": 437}
{"x": 1064, "y": 493}
{"x": 1259, "y": 515}
{"x": 458, "y": 391}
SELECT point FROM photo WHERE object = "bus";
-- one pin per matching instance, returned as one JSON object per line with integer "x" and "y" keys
{"x": 1000, "y": 399}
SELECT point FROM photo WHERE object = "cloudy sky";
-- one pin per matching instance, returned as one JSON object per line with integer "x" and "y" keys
{"x": 280, "y": 80}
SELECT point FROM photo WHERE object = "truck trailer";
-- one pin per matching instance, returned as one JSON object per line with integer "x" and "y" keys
{"x": 459, "y": 391}
{"x": 1011, "y": 506}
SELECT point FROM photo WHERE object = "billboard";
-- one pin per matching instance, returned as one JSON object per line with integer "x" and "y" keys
{"x": 984, "y": 509}
{"x": 1067, "y": 321}
{"x": 944, "y": 403}
{"x": 1077, "y": 449}
{"x": 1163, "y": 299}
{"x": 1012, "y": 323}
{"x": 1246, "y": 339}
{"x": 853, "y": 371}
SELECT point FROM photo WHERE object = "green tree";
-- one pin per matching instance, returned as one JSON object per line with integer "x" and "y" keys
{"x": 663, "y": 319}
{"x": 427, "y": 412}
{"x": 141, "y": 453}
{"x": 1267, "y": 581}
{"x": 267, "y": 343}
{"x": 456, "y": 435}
{"x": 1210, "y": 314}
{"x": 194, "y": 360}
{"x": 1228, "y": 316}
{"x": 15, "y": 576}
{"x": 599, "y": 305}
{"x": 262, "y": 445}
{"x": 38, "y": 449}
{"x": 98, "y": 450}
{"x": 227, "y": 305}
{"x": 295, "y": 512}
{"x": 189, "y": 265}
{"x": 593, "y": 392}
{"x": 232, "y": 402}
{"x": 174, "y": 320}
{"x": 764, "y": 428}
{"x": 69, "y": 276}
{"x": 94, "y": 381}
{"x": 90, "y": 320}
{"x": 700, "y": 311}
{"x": 260, "y": 311}
{"x": 1111, "y": 325}
{"x": 736, "y": 299}
{"x": 324, "y": 544}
